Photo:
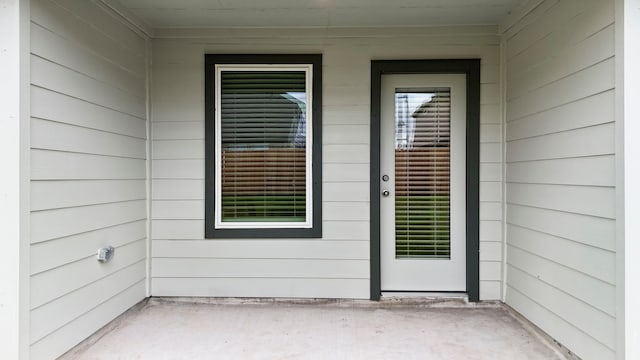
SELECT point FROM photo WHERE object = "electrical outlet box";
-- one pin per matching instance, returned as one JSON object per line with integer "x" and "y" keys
{"x": 106, "y": 253}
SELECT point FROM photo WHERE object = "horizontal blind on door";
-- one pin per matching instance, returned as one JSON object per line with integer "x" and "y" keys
{"x": 422, "y": 208}
{"x": 263, "y": 133}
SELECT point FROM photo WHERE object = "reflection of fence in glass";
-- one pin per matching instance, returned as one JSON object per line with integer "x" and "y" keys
{"x": 422, "y": 205}
{"x": 263, "y": 146}
{"x": 264, "y": 185}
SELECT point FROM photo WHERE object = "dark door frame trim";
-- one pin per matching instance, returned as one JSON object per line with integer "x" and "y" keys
{"x": 471, "y": 68}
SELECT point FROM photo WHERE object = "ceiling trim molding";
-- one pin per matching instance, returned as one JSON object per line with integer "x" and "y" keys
{"x": 518, "y": 14}
{"x": 326, "y": 32}
{"x": 126, "y": 16}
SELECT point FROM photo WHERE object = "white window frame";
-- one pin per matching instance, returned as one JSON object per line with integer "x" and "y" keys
{"x": 218, "y": 223}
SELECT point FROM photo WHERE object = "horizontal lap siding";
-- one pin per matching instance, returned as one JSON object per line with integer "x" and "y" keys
{"x": 88, "y": 188}
{"x": 337, "y": 265}
{"x": 560, "y": 175}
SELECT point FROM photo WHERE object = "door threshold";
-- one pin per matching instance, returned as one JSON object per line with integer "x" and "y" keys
{"x": 429, "y": 299}
{"x": 424, "y": 294}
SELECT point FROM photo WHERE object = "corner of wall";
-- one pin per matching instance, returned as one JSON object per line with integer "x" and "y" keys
{"x": 14, "y": 181}
{"x": 627, "y": 80}
{"x": 503, "y": 149}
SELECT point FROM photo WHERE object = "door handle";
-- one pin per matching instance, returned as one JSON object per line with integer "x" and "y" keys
{"x": 385, "y": 193}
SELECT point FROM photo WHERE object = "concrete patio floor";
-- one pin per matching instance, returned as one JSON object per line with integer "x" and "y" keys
{"x": 167, "y": 329}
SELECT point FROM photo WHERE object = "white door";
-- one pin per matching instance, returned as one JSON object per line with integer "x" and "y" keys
{"x": 422, "y": 155}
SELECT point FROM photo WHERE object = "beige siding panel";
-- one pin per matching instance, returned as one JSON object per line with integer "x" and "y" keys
{"x": 541, "y": 22}
{"x": 52, "y": 254}
{"x": 490, "y": 230}
{"x": 177, "y": 229}
{"x": 183, "y": 130}
{"x": 52, "y": 224}
{"x": 491, "y": 251}
{"x": 109, "y": 25}
{"x": 593, "y": 322}
{"x": 51, "y": 46}
{"x": 52, "y": 76}
{"x": 60, "y": 281}
{"x": 589, "y": 230}
{"x": 345, "y": 211}
{"x": 590, "y": 141}
{"x": 490, "y": 133}
{"x": 345, "y": 134}
{"x": 267, "y": 287}
{"x": 592, "y": 110}
{"x": 56, "y": 165}
{"x": 584, "y": 34}
{"x": 261, "y": 268}
{"x": 491, "y": 270}
{"x": 178, "y": 149}
{"x": 565, "y": 252}
{"x": 343, "y": 173}
{"x": 344, "y": 95}
{"x": 78, "y": 112}
{"x": 345, "y": 154}
{"x": 74, "y": 332}
{"x": 578, "y": 341}
{"x": 52, "y": 316}
{"x": 588, "y": 171}
{"x": 490, "y": 172}
{"x": 47, "y": 195}
{"x": 489, "y": 73}
{"x": 61, "y": 137}
{"x": 259, "y": 249}
{"x": 491, "y": 191}
{"x": 345, "y": 230}
{"x": 347, "y": 75}
{"x": 490, "y": 290}
{"x": 183, "y": 189}
{"x": 180, "y": 109}
{"x": 178, "y": 209}
{"x": 490, "y": 211}
{"x": 489, "y": 93}
{"x": 588, "y": 200}
{"x": 569, "y": 60}
{"x": 56, "y": 19}
{"x": 346, "y": 114}
{"x": 599, "y": 294}
{"x": 595, "y": 79}
{"x": 178, "y": 169}
{"x": 490, "y": 114}
{"x": 336, "y": 192}
{"x": 490, "y": 152}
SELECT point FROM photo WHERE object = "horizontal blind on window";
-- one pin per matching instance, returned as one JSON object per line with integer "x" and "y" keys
{"x": 422, "y": 173}
{"x": 263, "y": 132}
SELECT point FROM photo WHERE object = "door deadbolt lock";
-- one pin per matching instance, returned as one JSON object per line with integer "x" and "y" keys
{"x": 385, "y": 193}
{"x": 385, "y": 177}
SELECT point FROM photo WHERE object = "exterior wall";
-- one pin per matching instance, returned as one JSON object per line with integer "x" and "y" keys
{"x": 336, "y": 266}
{"x": 88, "y": 171}
{"x": 560, "y": 173}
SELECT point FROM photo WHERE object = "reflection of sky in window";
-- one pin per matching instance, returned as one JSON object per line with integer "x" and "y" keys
{"x": 300, "y": 132}
{"x": 406, "y": 104}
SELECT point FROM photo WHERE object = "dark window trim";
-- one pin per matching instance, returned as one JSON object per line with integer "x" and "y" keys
{"x": 471, "y": 68}
{"x": 316, "y": 153}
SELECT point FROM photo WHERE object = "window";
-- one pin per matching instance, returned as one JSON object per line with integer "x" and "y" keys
{"x": 263, "y": 146}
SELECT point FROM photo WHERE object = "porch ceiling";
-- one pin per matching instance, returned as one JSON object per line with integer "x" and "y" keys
{"x": 320, "y": 13}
